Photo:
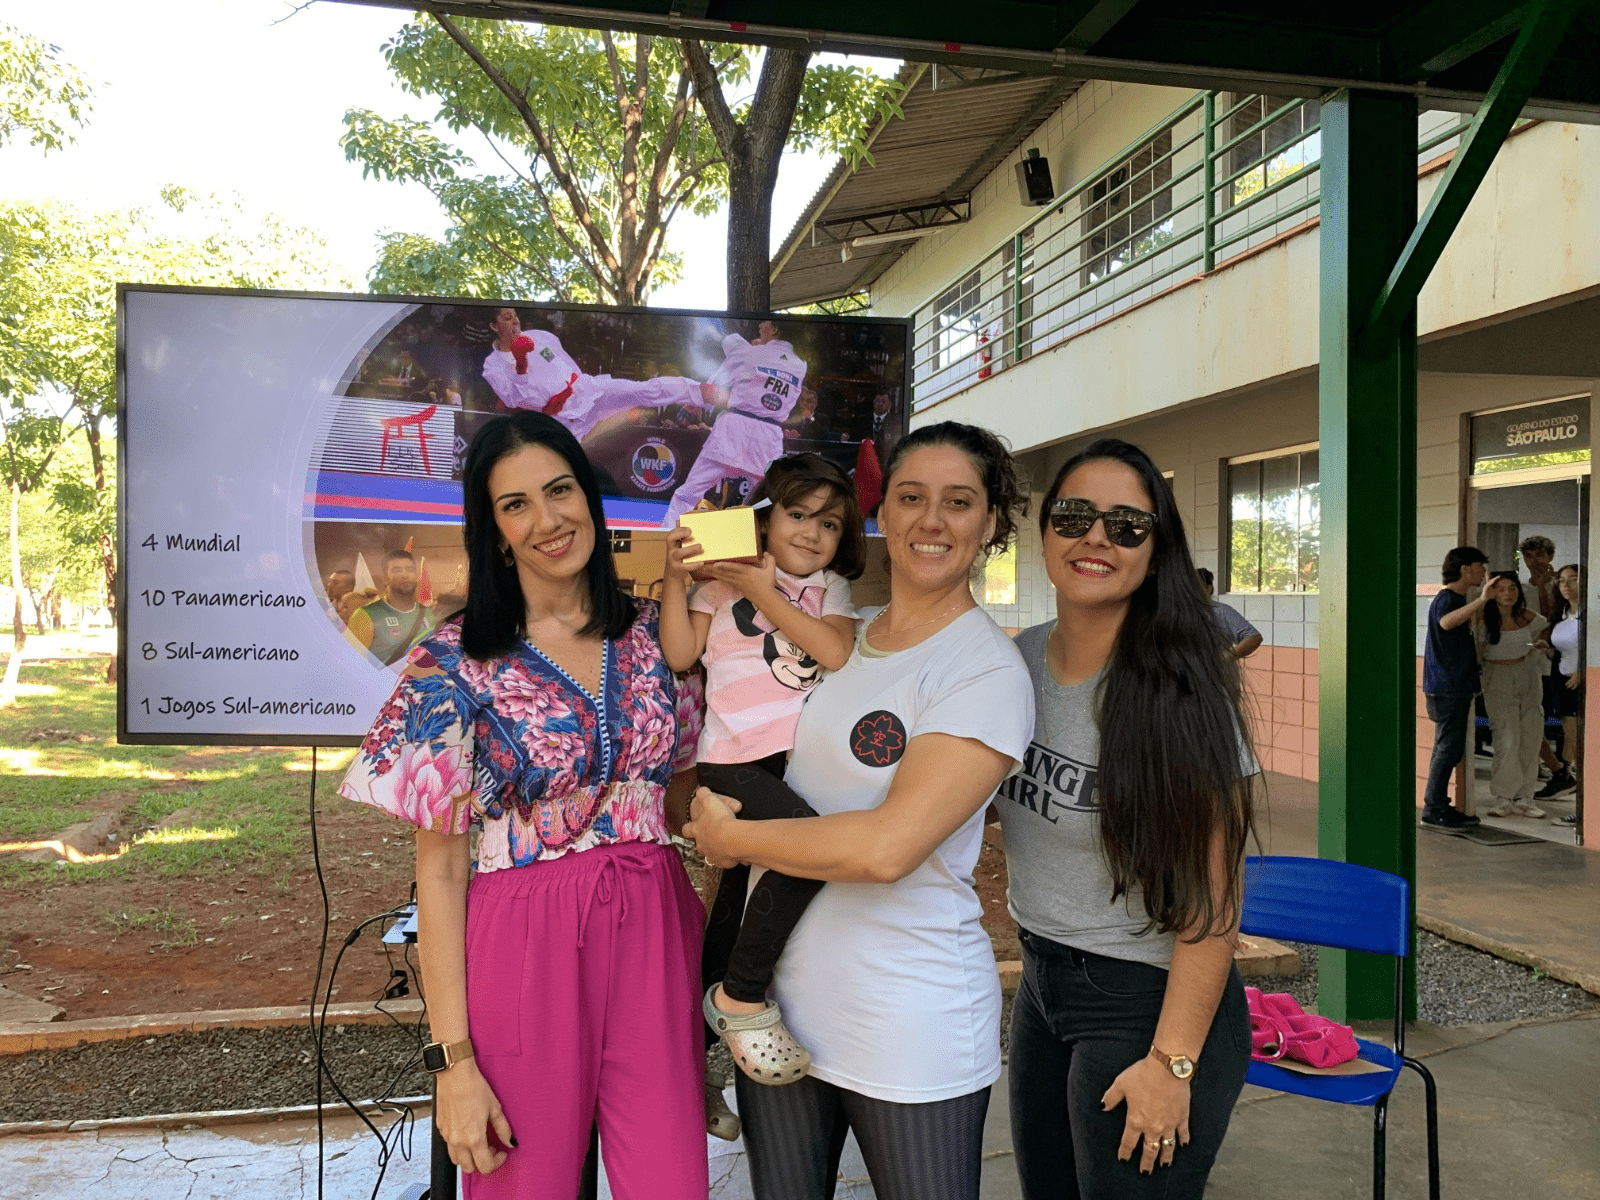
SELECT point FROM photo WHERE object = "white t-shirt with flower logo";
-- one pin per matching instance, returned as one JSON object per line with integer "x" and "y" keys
{"x": 892, "y": 987}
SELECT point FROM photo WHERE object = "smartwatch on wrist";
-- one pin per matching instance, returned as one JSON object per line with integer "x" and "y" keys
{"x": 1181, "y": 1065}
{"x": 441, "y": 1056}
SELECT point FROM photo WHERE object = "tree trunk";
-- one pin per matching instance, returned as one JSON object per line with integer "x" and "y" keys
{"x": 19, "y": 632}
{"x": 108, "y": 549}
{"x": 749, "y": 238}
{"x": 753, "y": 175}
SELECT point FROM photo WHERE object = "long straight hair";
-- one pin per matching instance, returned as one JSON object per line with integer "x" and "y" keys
{"x": 1491, "y": 611}
{"x": 1174, "y": 743}
{"x": 495, "y": 617}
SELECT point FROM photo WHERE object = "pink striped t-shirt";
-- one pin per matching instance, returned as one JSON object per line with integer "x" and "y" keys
{"x": 756, "y": 678}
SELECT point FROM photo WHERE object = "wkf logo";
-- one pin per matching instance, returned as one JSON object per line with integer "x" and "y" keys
{"x": 655, "y": 466}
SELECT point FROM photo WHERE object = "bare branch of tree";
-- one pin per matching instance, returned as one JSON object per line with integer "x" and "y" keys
{"x": 718, "y": 115}
{"x": 519, "y": 101}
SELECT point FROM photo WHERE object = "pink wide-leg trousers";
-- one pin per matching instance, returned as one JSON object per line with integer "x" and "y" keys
{"x": 583, "y": 1004}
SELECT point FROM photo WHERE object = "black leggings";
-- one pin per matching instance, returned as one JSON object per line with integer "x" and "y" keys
{"x": 794, "y": 1135}
{"x": 743, "y": 941}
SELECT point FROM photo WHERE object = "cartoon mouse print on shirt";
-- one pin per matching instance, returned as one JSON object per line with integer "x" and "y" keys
{"x": 789, "y": 664}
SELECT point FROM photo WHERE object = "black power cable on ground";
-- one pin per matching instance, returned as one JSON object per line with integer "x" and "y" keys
{"x": 396, "y": 1137}
{"x": 442, "y": 1170}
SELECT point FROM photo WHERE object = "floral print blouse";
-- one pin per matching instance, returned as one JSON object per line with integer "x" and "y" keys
{"x": 517, "y": 747}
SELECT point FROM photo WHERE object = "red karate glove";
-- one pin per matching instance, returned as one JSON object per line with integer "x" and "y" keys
{"x": 520, "y": 349}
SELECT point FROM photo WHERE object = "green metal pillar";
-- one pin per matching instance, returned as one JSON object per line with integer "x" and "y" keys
{"x": 1368, "y": 470}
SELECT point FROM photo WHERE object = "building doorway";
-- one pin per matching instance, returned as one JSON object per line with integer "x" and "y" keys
{"x": 1514, "y": 496}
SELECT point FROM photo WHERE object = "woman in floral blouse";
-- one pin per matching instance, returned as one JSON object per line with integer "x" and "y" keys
{"x": 562, "y": 981}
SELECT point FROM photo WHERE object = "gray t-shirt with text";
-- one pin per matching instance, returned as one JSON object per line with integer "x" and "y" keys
{"x": 1060, "y": 887}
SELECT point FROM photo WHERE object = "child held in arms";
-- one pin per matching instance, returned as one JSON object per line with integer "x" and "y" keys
{"x": 766, "y": 633}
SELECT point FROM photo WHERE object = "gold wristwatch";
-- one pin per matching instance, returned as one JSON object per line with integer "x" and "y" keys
{"x": 1181, "y": 1065}
{"x": 441, "y": 1056}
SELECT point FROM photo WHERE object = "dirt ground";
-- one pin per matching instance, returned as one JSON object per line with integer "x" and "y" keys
{"x": 253, "y": 940}
{"x": 240, "y": 941}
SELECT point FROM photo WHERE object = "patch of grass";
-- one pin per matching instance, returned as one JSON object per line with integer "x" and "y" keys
{"x": 245, "y": 807}
{"x": 180, "y": 931}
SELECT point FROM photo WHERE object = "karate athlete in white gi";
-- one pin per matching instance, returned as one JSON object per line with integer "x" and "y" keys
{"x": 554, "y": 383}
{"x": 761, "y": 382}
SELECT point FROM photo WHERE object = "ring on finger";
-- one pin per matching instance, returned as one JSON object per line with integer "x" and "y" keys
{"x": 1168, "y": 1143}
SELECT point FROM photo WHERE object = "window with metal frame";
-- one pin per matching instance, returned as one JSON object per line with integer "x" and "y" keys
{"x": 1269, "y": 138}
{"x": 1127, "y": 211}
{"x": 1274, "y": 516}
{"x": 956, "y": 316}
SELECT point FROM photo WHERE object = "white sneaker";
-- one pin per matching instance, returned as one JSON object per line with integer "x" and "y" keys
{"x": 1525, "y": 809}
{"x": 1506, "y": 808}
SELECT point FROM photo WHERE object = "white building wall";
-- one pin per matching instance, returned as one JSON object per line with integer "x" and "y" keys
{"x": 1094, "y": 124}
{"x": 1526, "y": 240}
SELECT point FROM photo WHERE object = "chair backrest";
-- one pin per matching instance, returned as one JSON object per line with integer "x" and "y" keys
{"x": 1327, "y": 903}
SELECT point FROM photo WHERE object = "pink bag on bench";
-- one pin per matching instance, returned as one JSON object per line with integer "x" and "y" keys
{"x": 1280, "y": 1028}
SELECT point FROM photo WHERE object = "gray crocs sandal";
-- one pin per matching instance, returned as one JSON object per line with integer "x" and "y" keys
{"x": 762, "y": 1048}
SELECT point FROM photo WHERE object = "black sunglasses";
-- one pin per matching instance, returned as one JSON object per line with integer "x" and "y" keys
{"x": 1126, "y": 527}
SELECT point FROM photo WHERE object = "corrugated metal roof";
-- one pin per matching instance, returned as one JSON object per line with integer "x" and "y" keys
{"x": 953, "y": 134}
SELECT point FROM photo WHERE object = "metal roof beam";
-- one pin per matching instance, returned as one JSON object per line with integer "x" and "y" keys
{"x": 931, "y": 214}
{"x": 1446, "y": 33}
{"x": 1305, "y": 61}
{"x": 1095, "y": 24}
{"x": 1541, "y": 33}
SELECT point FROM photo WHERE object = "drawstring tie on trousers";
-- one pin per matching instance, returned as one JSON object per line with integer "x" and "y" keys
{"x": 607, "y": 882}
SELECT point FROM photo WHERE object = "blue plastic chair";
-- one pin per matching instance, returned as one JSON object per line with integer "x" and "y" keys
{"x": 1348, "y": 907}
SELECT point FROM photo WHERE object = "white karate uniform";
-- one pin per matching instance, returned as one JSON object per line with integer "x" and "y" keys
{"x": 764, "y": 383}
{"x": 590, "y": 399}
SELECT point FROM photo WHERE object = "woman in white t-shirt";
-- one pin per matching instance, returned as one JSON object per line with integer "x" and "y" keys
{"x": 889, "y": 978}
{"x": 1125, "y": 835}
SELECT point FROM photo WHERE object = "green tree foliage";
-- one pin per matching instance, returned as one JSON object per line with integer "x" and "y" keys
{"x": 59, "y": 268}
{"x": 41, "y": 97}
{"x": 591, "y": 143}
{"x": 56, "y": 560}
{"x": 826, "y": 108}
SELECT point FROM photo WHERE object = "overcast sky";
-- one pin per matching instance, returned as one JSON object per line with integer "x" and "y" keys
{"x": 227, "y": 96}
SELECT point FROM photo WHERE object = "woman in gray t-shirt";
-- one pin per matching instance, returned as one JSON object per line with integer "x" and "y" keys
{"x": 1125, "y": 835}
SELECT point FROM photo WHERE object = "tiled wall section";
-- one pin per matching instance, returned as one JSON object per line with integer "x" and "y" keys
{"x": 1280, "y": 684}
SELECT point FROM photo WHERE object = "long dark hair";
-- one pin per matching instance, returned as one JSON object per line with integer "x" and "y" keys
{"x": 791, "y": 479}
{"x": 495, "y": 617}
{"x": 995, "y": 465}
{"x": 1491, "y": 612}
{"x": 1566, "y": 605}
{"x": 1173, "y": 736}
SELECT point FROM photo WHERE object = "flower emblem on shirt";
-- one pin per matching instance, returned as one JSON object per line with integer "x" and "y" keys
{"x": 878, "y": 739}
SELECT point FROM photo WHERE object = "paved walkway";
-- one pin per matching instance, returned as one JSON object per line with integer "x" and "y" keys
{"x": 1518, "y": 1114}
{"x": 1519, "y": 1104}
{"x": 1533, "y": 902}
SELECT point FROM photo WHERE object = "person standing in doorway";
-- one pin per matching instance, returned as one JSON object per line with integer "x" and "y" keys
{"x": 1564, "y": 685}
{"x": 1450, "y": 679}
{"x": 1544, "y": 596}
{"x": 1513, "y": 692}
{"x": 1538, "y": 553}
{"x": 391, "y": 624}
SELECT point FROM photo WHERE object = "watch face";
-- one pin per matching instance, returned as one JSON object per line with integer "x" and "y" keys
{"x": 433, "y": 1057}
{"x": 1182, "y": 1067}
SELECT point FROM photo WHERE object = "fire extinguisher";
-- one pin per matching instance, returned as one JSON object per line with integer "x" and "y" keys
{"x": 984, "y": 368}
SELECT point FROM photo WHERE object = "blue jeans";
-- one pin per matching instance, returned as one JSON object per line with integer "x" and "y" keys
{"x": 1451, "y": 714}
{"x": 1079, "y": 1021}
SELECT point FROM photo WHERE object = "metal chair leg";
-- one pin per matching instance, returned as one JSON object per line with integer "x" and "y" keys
{"x": 1380, "y": 1120}
{"x": 1431, "y": 1102}
{"x": 441, "y": 1171}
